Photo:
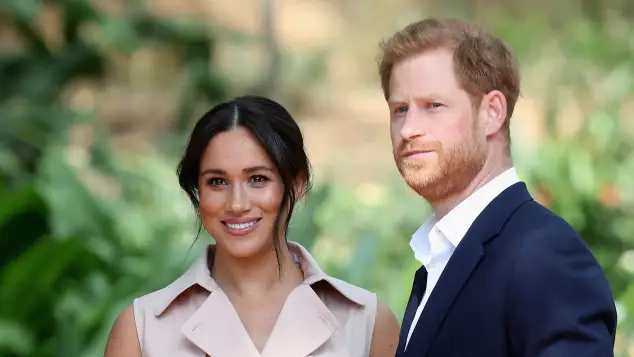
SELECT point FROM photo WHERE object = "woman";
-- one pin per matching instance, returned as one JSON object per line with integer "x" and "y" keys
{"x": 252, "y": 293}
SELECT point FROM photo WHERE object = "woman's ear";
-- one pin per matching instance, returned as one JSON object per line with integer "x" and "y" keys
{"x": 300, "y": 186}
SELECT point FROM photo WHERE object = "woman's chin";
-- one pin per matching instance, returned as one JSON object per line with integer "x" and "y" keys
{"x": 245, "y": 247}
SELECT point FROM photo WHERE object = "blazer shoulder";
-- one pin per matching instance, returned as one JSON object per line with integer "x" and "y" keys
{"x": 541, "y": 233}
{"x": 537, "y": 222}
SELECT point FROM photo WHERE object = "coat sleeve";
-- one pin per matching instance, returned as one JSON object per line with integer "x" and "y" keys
{"x": 559, "y": 300}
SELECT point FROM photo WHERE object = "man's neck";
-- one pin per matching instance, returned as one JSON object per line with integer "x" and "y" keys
{"x": 488, "y": 173}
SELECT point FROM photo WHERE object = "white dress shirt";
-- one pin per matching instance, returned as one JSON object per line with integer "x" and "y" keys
{"x": 435, "y": 241}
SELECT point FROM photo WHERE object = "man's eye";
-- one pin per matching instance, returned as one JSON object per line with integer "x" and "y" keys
{"x": 400, "y": 110}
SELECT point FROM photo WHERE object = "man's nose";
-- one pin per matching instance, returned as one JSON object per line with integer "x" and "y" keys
{"x": 412, "y": 124}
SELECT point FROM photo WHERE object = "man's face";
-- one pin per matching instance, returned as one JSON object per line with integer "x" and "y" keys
{"x": 438, "y": 143}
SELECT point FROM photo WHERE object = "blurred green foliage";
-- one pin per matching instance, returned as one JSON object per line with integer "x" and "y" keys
{"x": 69, "y": 258}
{"x": 79, "y": 240}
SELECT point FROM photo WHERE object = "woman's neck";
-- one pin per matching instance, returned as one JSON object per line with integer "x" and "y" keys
{"x": 257, "y": 274}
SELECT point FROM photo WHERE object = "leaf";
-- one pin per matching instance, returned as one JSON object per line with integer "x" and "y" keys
{"x": 38, "y": 278}
{"x": 582, "y": 172}
{"x": 119, "y": 33}
{"x": 75, "y": 210}
{"x": 23, "y": 220}
{"x": 304, "y": 227}
{"x": 24, "y": 10}
{"x": 9, "y": 163}
{"x": 601, "y": 126}
{"x": 363, "y": 258}
{"x": 15, "y": 339}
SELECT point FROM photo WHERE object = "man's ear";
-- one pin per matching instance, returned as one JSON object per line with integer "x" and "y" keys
{"x": 494, "y": 105}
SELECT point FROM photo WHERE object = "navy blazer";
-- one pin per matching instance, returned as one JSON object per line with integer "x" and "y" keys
{"x": 521, "y": 283}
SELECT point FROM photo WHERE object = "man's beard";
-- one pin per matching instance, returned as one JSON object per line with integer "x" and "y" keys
{"x": 454, "y": 169}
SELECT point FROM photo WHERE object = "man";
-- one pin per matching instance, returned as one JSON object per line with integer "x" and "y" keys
{"x": 502, "y": 275}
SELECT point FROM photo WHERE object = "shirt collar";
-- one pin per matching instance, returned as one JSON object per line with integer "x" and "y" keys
{"x": 455, "y": 224}
{"x": 199, "y": 274}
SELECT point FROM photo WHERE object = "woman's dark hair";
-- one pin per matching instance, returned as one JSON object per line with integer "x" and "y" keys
{"x": 274, "y": 128}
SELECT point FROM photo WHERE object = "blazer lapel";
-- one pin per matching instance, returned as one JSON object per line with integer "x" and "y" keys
{"x": 304, "y": 324}
{"x": 454, "y": 276}
{"x": 216, "y": 329}
{"x": 461, "y": 265}
{"x": 416, "y": 296}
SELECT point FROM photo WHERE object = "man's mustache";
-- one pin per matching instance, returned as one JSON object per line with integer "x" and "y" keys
{"x": 416, "y": 146}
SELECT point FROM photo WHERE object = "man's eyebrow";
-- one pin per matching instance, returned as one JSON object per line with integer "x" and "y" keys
{"x": 420, "y": 96}
{"x": 394, "y": 100}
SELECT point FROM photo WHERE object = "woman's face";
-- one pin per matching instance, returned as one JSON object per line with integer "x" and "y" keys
{"x": 240, "y": 193}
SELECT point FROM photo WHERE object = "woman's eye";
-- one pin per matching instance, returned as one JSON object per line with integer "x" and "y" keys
{"x": 259, "y": 179}
{"x": 216, "y": 182}
{"x": 435, "y": 105}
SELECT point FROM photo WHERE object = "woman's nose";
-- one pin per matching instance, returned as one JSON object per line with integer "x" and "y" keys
{"x": 238, "y": 200}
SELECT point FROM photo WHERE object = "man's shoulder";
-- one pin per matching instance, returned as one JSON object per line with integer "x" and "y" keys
{"x": 533, "y": 219}
{"x": 540, "y": 231}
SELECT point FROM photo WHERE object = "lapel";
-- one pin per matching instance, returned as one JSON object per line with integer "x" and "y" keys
{"x": 304, "y": 324}
{"x": 226, "y": 339}
{"x": 418, "y": 290}
{"x": 462, "y": 264}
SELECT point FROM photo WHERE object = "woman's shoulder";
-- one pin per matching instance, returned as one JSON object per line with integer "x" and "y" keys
{"x": 382, "y": 325}
{"x": 152, "y": 301}
{"x": 314, "y": 274}
{"x": 194, "y": 282}
{"x": 353, "y": 292}
{"x": 123, "y": 338}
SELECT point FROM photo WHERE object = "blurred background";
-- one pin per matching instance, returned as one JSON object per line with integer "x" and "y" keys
{"x": 97, "y": 99}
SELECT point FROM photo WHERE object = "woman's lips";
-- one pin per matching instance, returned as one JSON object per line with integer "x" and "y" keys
{"x": 240, "y": 227}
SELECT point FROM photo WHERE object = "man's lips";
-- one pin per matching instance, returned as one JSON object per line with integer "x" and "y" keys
{"x": 416, "y": 153}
